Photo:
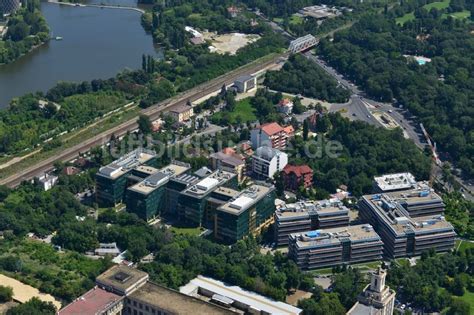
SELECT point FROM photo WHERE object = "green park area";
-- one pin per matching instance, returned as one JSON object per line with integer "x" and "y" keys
{"x": 242, "y": 113}
{"x": 64, "y": 274}
{"x": 296, "y": 19}
{"x": 440, "y": 5}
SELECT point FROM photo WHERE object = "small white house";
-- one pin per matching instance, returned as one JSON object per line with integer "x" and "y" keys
{"x": 47, "y": 181}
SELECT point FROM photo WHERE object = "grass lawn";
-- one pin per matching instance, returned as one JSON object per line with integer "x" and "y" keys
{"x": 469, "y": 298}
{"x": 436, "y": 5}
{"x": 458, "y": 15}
{"x": 464, "y": 245}
{"x": 194, "y": 231}
{"x": 295, "y": 19}
{"x": 243, "y": 109}
{"x": 407, "y": 17}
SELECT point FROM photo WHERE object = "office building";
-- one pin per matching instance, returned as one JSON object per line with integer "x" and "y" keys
{"x": 235, "y": 298}
{"x": 245, "y": 83}
{"x": 175, "y": 186}
{"x": 229, "y": 160}
{"x": 308, "y": 215}
{"x": 394, "y": 182}
{"x": 271, "y": 135}
{"x": 112, "y": 180}
{"x": 376, "y": 299}
{"x": 336, "y": 246}
{"x": 147, "y": 198}
{"x": 409, "y": 222}
{"x": 246, "y": 213}
{"x": 192, "y": 202}
{"x": 9, "y": 6}
{"x": 127, "y": 291}
{"x": 267, "y": 161}
{"x": 181, "y": 113}
{"x": 296, "y": 176}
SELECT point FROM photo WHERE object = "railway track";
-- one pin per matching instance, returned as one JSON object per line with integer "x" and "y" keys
{"x": 153, "y": 112}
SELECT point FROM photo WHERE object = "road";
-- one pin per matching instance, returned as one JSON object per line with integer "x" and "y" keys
{"x": 153, "y": 112}
{"x": 360, "y": 107}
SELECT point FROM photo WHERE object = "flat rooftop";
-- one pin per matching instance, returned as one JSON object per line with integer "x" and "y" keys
{"x": 225, "y": 191}
{"x": 208, "y": 184}
{"x": 391, "y": 211}
{"x": 420, "y": 193}
{"x": 174, "y": 302}
{"x": 94, "y": 301}
{"x": 159, "y": 178}
{"x": 121, "y": 277}
{"x": 304, "y": 209}
{"x": 126, "y": 163}
{"x": 246, "y": 199}
{"x": 397, "y": 181}
{"x": 150, "y": 170}
{"x": 231, "y": 293}
{"x": 354, "y": 233}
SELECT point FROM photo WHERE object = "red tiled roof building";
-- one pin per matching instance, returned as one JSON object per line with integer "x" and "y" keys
{"x": 295, "y": 176}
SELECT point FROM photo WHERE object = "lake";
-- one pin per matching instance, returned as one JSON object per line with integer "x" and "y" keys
{"x": 97, "y": 43}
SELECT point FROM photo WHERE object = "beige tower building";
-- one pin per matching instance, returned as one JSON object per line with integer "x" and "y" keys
{"x": 377, "y": 298}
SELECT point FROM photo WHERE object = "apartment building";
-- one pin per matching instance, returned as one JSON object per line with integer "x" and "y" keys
{"x": 112, "y": 180}
{"x": 267, "y": 161}
{"x": 408, "y": 222}
{"x": 181, "y": 113}
{"x": 229, "y": 160}
{"x": 248, "y": 212}
{"x": 337, "y": 246}
{"x": 295, "y": 176}
{"x": 308, "y": 215}
{"x": 271, "y": 135}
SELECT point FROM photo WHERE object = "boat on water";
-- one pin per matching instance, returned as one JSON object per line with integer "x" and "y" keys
{"x": 58, "y": 38}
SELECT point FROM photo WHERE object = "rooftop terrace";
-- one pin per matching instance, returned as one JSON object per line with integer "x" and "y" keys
{"x": 208, "y": 184}
{"x": 354, "y": 233}
{"x": 126, "y": 163}
{"x": 395, "y": 181}
{"x": 246, "y": 199}
{"x": 160, "y": 178}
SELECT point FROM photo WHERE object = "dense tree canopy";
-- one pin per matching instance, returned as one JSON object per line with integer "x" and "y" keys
{"x": 302, "y": 76}
{"x": 367, "y": 151}
{"x": 26, "y": 29}
{"x": 439, "y": 93}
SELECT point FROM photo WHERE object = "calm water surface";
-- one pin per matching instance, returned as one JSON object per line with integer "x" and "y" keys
{"x": 97, "y": 43}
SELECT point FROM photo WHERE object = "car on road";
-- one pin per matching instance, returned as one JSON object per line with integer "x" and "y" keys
{"x": 368, "y": 116}
{"x": 354, "y": 114}
{"x": 390, "y": 111}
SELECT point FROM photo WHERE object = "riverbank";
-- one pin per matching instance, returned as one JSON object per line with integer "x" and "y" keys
{"x": 102, "y": 6}
{"x": 32, "y": 49}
